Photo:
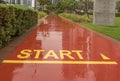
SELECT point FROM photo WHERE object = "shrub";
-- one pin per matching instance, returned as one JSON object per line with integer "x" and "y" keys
{"x": 85, "y": 19}
{"x": 70, "y": 16}
{"x": 14, "y": 20}
{"x": 91, "y": 13}
{"x": 118, "y": 14}
{"x": 75, "y": 17}
{"x": 41, "y": 14}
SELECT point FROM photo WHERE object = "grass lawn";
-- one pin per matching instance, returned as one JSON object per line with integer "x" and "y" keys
{"x": 113, "y": 31}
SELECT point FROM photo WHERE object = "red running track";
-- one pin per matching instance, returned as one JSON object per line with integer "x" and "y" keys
{"x": 60, "y": 50}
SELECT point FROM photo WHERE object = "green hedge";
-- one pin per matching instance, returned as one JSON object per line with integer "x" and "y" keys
{"x": 118, "y": 14}
{"x": 14, "y": 20}
{"x": 75, "y": 17}
{"x": 41, "y": 14}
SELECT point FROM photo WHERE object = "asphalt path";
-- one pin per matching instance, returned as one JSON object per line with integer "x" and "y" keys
{"x": 61, "y": 50}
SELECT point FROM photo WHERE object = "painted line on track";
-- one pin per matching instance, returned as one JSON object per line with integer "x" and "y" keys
{"x": 58, "y": 62}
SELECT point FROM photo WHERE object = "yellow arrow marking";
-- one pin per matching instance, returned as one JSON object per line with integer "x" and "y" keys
{"x": 104, "y": 57}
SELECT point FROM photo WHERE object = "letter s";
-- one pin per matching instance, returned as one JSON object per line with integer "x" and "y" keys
{"x": 24, "y": 54}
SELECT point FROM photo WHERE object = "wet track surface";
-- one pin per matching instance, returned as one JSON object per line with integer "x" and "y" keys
{"x": 60, "y": 50}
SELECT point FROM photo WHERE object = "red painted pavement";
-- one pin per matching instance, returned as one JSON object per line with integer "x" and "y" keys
{"x": 57, "y": 34}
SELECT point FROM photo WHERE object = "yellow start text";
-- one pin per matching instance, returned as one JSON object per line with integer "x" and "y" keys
{"x": 24, "y": 54}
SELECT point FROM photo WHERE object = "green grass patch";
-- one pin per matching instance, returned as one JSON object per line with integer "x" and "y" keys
{"x": 113, "y": 31}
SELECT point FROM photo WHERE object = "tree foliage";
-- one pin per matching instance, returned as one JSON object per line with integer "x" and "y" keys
{"x": 118, "y": 6}
{"x": 64, "y": 6}
{"x": 44, "y": 2}
{"x": 76, "y": 6}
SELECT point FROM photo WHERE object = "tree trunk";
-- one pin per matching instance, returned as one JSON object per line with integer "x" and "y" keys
{"x": 86, "y": 8}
